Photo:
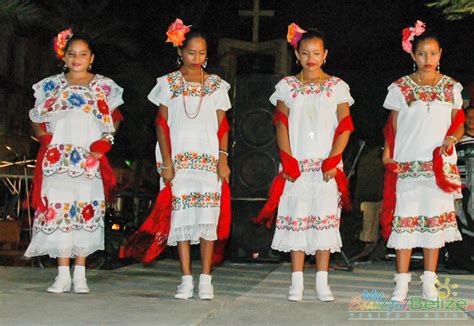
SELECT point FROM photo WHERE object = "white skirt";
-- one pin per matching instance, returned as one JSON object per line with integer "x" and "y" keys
{"x": 308, "y": 216}
{"x": 424, "y": 215}
{"x": 73, "y": 224}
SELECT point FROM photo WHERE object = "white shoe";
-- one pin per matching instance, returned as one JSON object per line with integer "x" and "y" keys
{"x": 186, "y": 289}
{"x": 400, "y": 292}
{"x": 60, "y": 285}
{"x": 295, "y": 292}
{"x": 323, "y": 290}
{"x": 429, "y": 290}
{"x": 206, "y": 289}
{"x": 80, "y": 285}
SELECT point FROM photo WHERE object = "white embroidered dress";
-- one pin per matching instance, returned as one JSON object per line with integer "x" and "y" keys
{"x": 424, "y": 214}
{"x": 195, "y": 153}
{"x": 76, "y": 116}
{"x": 309, "y": 214}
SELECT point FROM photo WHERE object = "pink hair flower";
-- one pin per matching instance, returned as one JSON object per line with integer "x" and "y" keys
{"x": 409, "y": 33}
{"x": 176, "y": 32}
{"x": 294, "y": 34}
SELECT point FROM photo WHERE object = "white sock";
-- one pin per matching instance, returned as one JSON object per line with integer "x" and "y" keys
{"x": 79, "y": 271}
{"x": 63, "y": 272}
{"x": 205, "y": 279}
{"x": 297, "y": 278}
{"x": 187, "y": 279}
{"x": 429, "y": 274}
{"x": 322, "y": 277}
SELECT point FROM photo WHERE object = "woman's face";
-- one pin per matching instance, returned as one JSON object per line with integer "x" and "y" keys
{"x": 195, "y": 53}
{"x": 311, "y": 54}
{"x": 78, "y": 56}
{"x": 427, "y": 55}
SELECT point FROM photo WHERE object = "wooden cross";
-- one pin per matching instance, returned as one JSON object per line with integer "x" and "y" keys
{"x": 256, "y": 13}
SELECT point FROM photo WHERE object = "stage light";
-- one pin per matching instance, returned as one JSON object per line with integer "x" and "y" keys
{"x": 116, "y": 227}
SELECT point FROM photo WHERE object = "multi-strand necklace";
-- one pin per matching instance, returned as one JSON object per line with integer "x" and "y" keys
{"x": 194, "y": 114}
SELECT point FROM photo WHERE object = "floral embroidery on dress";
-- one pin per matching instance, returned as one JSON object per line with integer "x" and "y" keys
{"x": 175, "y": 80}
{"x": 442, "y": 91}
{"x": 417, "y": 169}
{"x": 68, "y": 217}
{"x": 192, "y": 161}
{"x": 312, "y": 88}
{"x": 59, "y": 96}
{"x": 424, "y": 224}
{"x": 310, "y": 165}
{"x": 70, "y": 159}
{"x": 197, "y": 200}
{"x": 288, "y": 223}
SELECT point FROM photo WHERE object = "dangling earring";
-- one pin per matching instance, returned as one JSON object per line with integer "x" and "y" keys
{"x": 65, "y": 67}
{"x": 179, "y": 60}
{"x": 204, "y": 65}
{"x": 438, "y": 68}
{"x": 297, "y": 62}
{"x": 324, "y": 62}
{"x": 89, "y": 67}
{"x": 414, "y": 66}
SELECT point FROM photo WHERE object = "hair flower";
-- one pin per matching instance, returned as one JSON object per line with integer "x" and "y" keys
{"x": 60, "y": 42}
{"x": 176, "y": 32}
{"x": 409, "y": 33}
{"x": 294, "y": 34}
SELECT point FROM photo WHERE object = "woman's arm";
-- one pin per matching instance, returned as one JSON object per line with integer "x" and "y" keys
{"x": 223, "y": 170}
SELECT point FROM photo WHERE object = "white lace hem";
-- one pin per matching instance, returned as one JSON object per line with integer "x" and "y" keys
{"x": 308, "y": 251}
{"x": 63, "y": 252}
{"x": 423, "y": 240}
{"x": 192, "y": 233}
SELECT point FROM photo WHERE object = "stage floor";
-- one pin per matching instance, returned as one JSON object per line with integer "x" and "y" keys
{"x": 245, "y": 294}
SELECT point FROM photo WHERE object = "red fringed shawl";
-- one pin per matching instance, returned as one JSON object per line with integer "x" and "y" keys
{"x": 332, "y": 162}
{"x": 151, "y": 239}
{"x": 390, "y": 181}
{"x": 36, "y": 200}
{"x": 108, "y": 176}
{"x": 291, "y": 168}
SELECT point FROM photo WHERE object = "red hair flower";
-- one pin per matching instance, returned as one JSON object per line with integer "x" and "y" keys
{"x": 103, "y": 107}
{"x": 294, "y": 34}
{"x": 60, "y": 42}
{"x": 409, "y": 33}
{"x": 176, "y": 32}
{"x": 88, "y": 212}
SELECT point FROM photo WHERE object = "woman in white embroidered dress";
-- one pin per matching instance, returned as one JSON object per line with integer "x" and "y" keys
{"x": 422, "y": 106}
{"x": 309, "y": 211}
{"x": 193, "y": 103}
{"x": 76, "y": 108}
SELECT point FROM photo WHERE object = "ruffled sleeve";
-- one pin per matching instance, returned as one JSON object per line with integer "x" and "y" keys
{"x": 458, "y": 100}
{"x": 160, "y": 94}
{"x": 45, "y": 93}
{"x": 343, "y": 94}
{"x": 394, "y": 100}
{"x": 221, "y": 96}
{"x": 113, "y": 92}
{"x": 282, "y": 93}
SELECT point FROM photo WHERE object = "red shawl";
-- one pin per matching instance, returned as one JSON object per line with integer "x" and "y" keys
{"x": 291, "y": 168}
{"x": 390, "y": 181}
{"x": 151, "y": 239}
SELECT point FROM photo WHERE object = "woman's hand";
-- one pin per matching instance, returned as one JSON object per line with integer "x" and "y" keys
{"x": 96, "y": 155}
{"x": 287, "y": 177}
{"x": 329, "y": 174}
{"x": 223, "y": 170}
{"x": 447, "y": 146}
{"x": 167, "y": 174}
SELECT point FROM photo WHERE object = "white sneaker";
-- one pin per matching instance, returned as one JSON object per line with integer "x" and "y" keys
{"x": 295, "y": 292}
{"x": 186, "y": 289}
{"x": 206, "y": 289}
{"x": 400, "y": 292}
{"x": 323, "y": 290}
{"x": 429, "y": 290}
{"x": 60, "y": 285}
{"x": 80, "y": 285}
